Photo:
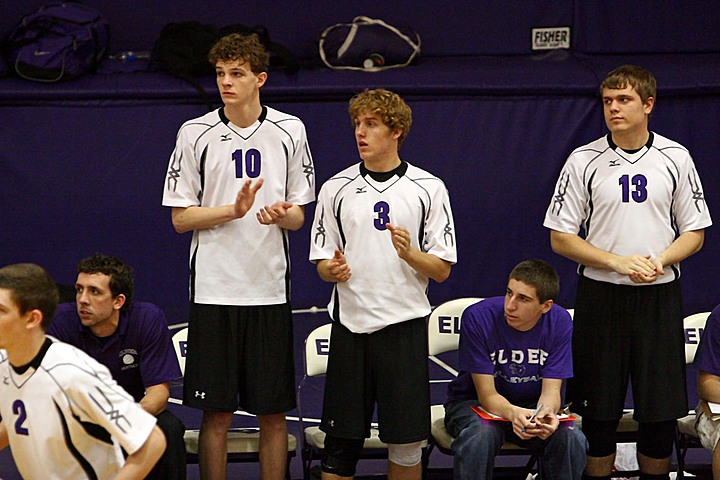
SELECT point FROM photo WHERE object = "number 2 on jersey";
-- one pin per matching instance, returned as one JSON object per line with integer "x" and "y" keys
{"x": 247, "y": 164}
{"x": 19, "y": 410}
{"x": 638, "y": 193}
{"x": 383, "y": 215}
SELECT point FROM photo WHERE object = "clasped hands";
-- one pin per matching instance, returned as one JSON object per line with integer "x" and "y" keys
{"x": 639, "y": 268}
{"x": 545, "y": 423}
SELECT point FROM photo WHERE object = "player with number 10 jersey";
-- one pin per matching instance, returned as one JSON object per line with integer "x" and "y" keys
{"x": 241, "y": 262}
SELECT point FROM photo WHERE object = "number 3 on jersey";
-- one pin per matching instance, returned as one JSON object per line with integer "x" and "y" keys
{"x": 247, "y": 164}
{"x": 383, "y": 215}
{"x": 638, "y": 183}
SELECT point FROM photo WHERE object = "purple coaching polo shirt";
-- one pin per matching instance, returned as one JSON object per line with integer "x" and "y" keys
{"x": 139, "y": 354}
{"x": 707, "y": 357}
{"x": 518, "y": 360}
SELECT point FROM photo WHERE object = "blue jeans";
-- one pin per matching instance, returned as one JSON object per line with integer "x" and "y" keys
{"x": 478, "y": 441}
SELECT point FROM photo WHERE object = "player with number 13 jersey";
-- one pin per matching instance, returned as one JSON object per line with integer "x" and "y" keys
{"x": 629, "y": 201}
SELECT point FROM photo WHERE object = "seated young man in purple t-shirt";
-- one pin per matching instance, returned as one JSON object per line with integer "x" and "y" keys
{"x": 132, "y": 340}
{"x": 707, "y": 360}
{"x": 515, "y": 352}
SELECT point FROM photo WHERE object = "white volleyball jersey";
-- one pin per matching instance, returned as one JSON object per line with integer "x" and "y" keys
{"x": 351, "y": 215}
{"x": 68, "y": 418}
{"x": 629, "y": 203}
{"x": 241, "y": 262}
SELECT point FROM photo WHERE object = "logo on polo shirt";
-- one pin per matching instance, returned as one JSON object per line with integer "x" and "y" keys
{"x": 128, "y": 358}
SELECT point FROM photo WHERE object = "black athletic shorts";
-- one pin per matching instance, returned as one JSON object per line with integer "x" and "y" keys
{"x": 240, "y": 356}
{"x": 621, "y": 333}
{"x": 389, "y": 368}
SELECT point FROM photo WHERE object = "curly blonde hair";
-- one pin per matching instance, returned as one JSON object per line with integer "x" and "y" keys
{"x": 389, "y": 106}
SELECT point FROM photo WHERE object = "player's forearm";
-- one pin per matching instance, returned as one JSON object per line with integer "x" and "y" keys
{"x": 497, "y": 404}
{"x": 138, "y": 464}
{"x": 156, "y": 398}
{"x": 708, "y": 386}
{"x": 294, "y": 218}
{"x": 198, "y": 218}
{"x": 684, "y": 246}
{"x": 428, "y": 265}
{"x": 4, "y": 439}
{"x": 323, "y": 269}
{"x": 579, "y": 250}
{"x": 550, "y": 393}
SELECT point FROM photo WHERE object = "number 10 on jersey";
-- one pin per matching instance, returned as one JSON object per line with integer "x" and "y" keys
{"x": 247, "y": 164}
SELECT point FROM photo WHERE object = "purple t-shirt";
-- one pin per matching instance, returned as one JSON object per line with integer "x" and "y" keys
{"x": 707, "y": 356}
{"x": 518, "y": 360}
{"x": 139, "y": 354}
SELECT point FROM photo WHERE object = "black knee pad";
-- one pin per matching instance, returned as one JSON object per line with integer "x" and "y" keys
{"x": 655, "y": 439}
{"x": 600, "y": 435}
{"x": 341, "y": 455}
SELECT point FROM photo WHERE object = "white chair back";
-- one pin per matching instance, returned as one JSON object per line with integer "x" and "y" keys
{"x": 317, "y": 349}
{"x": 444, "y": 325}
{"x": 694, "y": 326}
{"x": 179, "y": 340}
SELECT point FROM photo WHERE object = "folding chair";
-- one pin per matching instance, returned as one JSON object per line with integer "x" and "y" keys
{"x": 312, "y": 440}
{"x": 243, "y": 444}
{"x": 444, "y": 336}
{"x": 686, "y": 435}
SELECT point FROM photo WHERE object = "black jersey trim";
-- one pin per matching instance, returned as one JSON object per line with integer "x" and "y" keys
{"x": 286, "y": 249}
{"x": 36, "y": 361}
{"x": 193, "y": 272}
{"x": 400, "y": 171}
{"x": 338, "y": 218}
{"x": 203, "y": 160}
{"x": 647, "y": 145}
{"x": 84, "y": 463}
{"x": 226, "y": 120}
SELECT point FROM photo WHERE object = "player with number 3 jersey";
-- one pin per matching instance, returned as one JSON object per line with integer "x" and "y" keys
{"x": 352, "y": 215}
{"x": 382, "y": 229}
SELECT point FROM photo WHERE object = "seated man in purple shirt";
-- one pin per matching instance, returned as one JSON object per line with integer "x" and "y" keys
{"x": 514, "y": 354}
{"x": 132, "y": 340}
{"x": 707, "y": 360}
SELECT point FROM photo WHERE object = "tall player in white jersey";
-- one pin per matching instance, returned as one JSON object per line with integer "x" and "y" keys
{"x": 61, "y": 412}
{"x": 638, "y": 198}
{"x": 382, "y": 229}
{"x": 240, "y": 337}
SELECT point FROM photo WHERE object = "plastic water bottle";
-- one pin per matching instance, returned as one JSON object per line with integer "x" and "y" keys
{"x": 131, "y": 55}
{"x": 374, "y": 60}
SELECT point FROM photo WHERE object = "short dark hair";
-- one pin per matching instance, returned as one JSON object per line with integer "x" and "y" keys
{"x": 245, "y": 48}
{"x": 31, "y": 288}
{"x": 633, "y": 76}
{"x": 122, "y": 280}
{"x": 538, "y": 274}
